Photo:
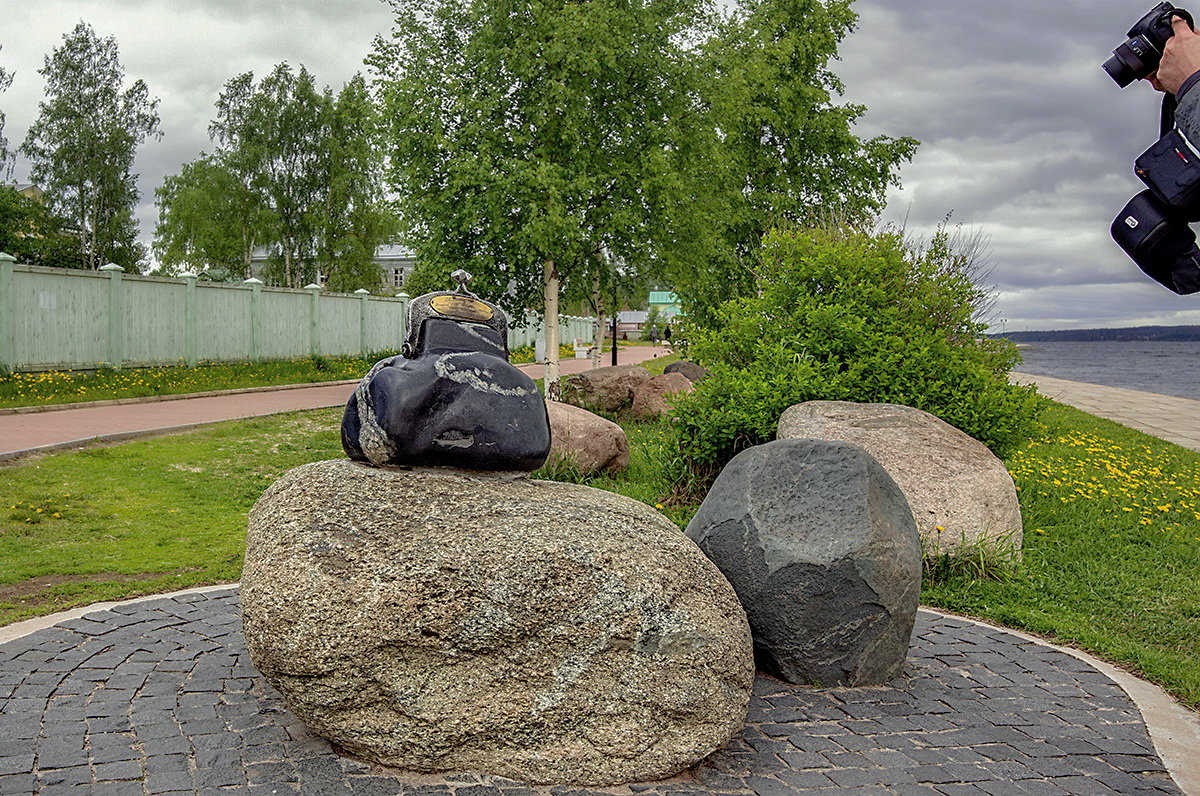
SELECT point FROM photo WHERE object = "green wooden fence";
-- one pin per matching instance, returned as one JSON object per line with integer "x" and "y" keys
{"x": 60, "y": 319}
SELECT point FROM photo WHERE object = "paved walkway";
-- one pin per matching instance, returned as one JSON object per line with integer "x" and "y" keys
{"x": 159, "y": 696}
{"x": 1164, "y": 416}
{"x": 33, "y": 432}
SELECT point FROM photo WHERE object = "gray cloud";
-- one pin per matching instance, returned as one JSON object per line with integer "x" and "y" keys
{"x": 1024, "y": 139}
{"x": 186, "y": 50}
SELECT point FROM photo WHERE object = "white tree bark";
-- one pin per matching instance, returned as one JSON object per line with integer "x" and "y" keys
{"x": 598, "y": 327}
{"x": 550, "y": 282}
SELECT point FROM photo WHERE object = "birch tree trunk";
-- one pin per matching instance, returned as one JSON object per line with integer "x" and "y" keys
{"x": 550, "y": 283}
{"x": 598, "y": 328}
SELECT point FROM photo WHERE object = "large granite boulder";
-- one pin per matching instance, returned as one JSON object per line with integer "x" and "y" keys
{"x": 959, "y": 492}
{"x": 820, "y": 546}
{"x": 444, "y": 619}
{"x": 691, "y": 370}
{"x": 655, "y": 397}
{"x": 609, "y": 389}
{"x": 586, "y": 441}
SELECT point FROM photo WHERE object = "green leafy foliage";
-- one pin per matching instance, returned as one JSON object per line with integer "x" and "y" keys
{"x": 355, "y": 218}
{"x": 82, "y": 146}
{"x": 34, "y": 235}
{"x": 772, "y": 145}
{"x": 296, "y": 170}
{"x": 209, "y": 219}
{"x": 524, "y": 133}
{"x": 848, "y": 316}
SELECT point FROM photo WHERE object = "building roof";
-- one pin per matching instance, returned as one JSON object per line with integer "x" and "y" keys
{"x": 27, "y": 189}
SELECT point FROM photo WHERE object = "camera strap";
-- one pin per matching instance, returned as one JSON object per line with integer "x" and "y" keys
{"x": 1166, "y": 117}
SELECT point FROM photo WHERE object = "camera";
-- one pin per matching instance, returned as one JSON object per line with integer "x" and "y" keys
{"x": 1139, "y": 57}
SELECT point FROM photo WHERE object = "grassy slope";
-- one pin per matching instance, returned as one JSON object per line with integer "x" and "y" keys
{"x": 1107, "y": 567}
{"x": 151, "y": 515}
{"x": 1112, "y": 550}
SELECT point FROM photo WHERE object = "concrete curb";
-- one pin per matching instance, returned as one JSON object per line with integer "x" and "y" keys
{"x": 148, "y": 399}
{"x": 1174, "y": 730}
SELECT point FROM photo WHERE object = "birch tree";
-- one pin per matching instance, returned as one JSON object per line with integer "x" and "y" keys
{"x": 6, "y": 157}
{"x": 83, "y": 142}
{"x": 525, "y": 138}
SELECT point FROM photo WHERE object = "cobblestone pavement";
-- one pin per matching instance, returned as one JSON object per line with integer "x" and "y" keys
{"x": 160, "y": 697}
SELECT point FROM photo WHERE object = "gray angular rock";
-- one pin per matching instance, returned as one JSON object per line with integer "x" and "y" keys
{"x": 609, "y": 389}
{"x": 960, "y": 493}
{"x": 655, "y": 397}
{"x": 820, "y": 546}
{"x": 586, "y": 441}
{"x": 444, "y": 619}
{"x": 690, "y": 370}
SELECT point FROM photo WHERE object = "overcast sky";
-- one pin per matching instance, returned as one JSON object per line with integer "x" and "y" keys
{"x": 1024, "y": 139}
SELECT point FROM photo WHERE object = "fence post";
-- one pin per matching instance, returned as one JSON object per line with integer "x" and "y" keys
{"x": 116, "y": 315}
{"x": 255, "y": 318}
{"x": 404, "y": 299}
{"x": 362, "y": 294}
{"x": 314, "y": 320}
{"x": 189, "y": 317}
{"x": 8, "y": 309}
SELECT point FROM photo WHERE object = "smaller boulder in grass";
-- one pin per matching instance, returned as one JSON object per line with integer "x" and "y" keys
{"x": 820, "y": 546}
{"x": 585, "y": 440}
{"x": 961, "y": 494}
{"x": 608, "y": 389}
{"x": 691, "y": 370}
{"x": 655, "y": 398}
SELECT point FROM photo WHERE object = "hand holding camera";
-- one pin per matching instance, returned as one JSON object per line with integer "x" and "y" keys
{"x": 1180, "y": 57}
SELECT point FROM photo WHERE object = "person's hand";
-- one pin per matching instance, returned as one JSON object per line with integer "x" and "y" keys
{"x": 1181, "y": 57}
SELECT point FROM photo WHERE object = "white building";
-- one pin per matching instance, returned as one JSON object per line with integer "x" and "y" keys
{"x": 395, "y": 262}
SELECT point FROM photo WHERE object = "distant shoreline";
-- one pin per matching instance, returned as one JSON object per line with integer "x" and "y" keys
{"x": 1126, "y": 334}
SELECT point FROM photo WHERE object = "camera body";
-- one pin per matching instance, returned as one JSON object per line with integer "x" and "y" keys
{"x": 1153, "y": 228}
{"x": 1139, "y": 57}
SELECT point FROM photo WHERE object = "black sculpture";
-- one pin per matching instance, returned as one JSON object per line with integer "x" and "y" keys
{"x": 451, "y": 399}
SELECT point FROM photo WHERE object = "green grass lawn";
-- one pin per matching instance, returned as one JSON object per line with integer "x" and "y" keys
{"x": 58, "y": 387}
{"x": 1112, "y": 550}
{"x": 1112, "y": 528}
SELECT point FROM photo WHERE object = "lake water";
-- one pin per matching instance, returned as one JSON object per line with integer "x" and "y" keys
{"x": 1170, "y": 368}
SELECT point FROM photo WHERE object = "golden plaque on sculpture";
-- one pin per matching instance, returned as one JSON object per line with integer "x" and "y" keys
{"x": 463, "y": 307}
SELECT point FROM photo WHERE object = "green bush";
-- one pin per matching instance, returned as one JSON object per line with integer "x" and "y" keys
{"x": 848, "y": 316}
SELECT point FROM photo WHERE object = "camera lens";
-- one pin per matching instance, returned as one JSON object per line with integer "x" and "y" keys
{"x": 1133, "y": 60}
{"x": 1119, "y": 71}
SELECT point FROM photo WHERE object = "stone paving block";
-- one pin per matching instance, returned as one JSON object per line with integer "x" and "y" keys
{"x": 166, "y": 746}
{"x": 161, "y": 764}
{"x": 916, "y": 790}
{"x": 56, "y": 777}
{"x": 160, "y": 782}
{"x": 18, "y": 784}
{"x": 16, "y": 763}
{"x": 123, "y": 770}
